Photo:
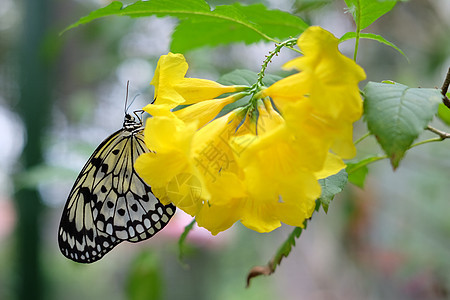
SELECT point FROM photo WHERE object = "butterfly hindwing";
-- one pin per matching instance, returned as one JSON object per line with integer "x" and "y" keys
{"x": 109, "y": 202}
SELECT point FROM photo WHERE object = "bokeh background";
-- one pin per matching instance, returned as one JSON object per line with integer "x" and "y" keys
{"x": 61, "y": 95}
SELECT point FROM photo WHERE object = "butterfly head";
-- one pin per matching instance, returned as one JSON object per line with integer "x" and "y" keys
{"x": 130, "y": 123}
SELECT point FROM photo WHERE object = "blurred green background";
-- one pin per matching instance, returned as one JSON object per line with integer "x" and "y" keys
{"x": 60, "y": 96}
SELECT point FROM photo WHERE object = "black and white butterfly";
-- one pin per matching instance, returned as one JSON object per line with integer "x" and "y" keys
{"x": 109, "y": 203}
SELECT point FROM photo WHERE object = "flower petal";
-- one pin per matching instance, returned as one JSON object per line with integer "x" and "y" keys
{"x": 203, "y": 112}
{"x": 194, "y": 90}
{"x": 333, "y": 164}
{"x": 171, "y": 69}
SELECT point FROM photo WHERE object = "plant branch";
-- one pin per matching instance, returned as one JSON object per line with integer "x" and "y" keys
{"x": 282, "y": 252}
{"x": 444, "y": 89}
{"x": 442, "y": 134}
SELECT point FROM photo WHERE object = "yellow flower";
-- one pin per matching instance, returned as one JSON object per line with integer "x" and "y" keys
{"x": 172, "y": 88}
{"x": 203, "y": 112}
{"x": 327, "y": 84}
{"x": 168, "y": 156}
{"x": 192, "y": 164}
{"x": 278, "y": 175}
{"x": 260, "y": 163}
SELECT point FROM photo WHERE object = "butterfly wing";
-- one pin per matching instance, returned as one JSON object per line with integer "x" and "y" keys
{"x": 109, "y": 202}
{"x": 129, "y": 210}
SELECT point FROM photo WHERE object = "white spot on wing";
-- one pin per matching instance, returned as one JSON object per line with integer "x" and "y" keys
{"x": 109, "y": 229}
{"x": 131, "y": 231}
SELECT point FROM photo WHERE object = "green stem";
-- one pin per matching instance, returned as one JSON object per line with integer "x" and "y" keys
{"x": 183, "y": 237}
{"x": 294, "y": 49}
{"x": 356, "y": 44}
{"x": 432, "y": 140}
{"x": 368, "y": 162}
{"x": 437, "y": 139}
{"x": 278, "y": 47}
{"x": 358, "y": 32}
{"x": 362, "y": 138}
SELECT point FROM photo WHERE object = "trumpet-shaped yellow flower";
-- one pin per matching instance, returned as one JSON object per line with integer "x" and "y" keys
{"x": 327, "y": 84}
{"x": 203, "y": 112}
{"x": 275, "y": 177}
{"x": 199, "y": 164}
{"x": 172, "y": 88}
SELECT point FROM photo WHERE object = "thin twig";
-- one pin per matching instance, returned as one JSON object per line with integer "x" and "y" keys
{"x": 444, "y": 89}
{"x": 442, "y": 134}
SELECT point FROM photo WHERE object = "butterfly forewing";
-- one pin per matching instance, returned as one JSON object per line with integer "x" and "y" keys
{"x": 109, "y": 202}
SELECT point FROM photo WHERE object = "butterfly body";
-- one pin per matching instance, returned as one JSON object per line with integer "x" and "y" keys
{"x": 109, "y": 202}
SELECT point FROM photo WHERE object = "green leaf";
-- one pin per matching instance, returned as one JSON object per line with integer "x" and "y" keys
{"x": 444, "y": 113}
{"x": 243, "y": 77}
{"x": 182, "y": 239}
{"x": 331, "y": 186}
{"x": 235, "y": 23}
{"x": 159, "y": 8}
{"x": 371, "y": 36}
{"x": 365, "y": 12}
{"x": 309, "y": 5}
{"x": 201, "y": 26}
{"x": 357, "y": 170}
{"x": 246, "y": 77}
{"x": 396, "y": 114}
{"x": 358, "y": 177}
{"x": 145, "y": 278}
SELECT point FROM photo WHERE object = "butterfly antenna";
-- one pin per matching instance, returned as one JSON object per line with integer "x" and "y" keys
{"x": 126, "y": 97}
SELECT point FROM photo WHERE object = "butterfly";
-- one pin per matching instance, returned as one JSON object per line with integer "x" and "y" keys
{"x": 109, "y": 203}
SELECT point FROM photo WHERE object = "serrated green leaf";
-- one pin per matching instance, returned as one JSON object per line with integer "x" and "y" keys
{"x": 371, "y": 36}
{"x": 159, "y": 8}
{"x": 201, "y": 26}
{"x": 444, "y": 113}
{"x": 331, "y": 186}
{"x": 396, "y": 114}
{"x": 365, "y": 12}
{"x": 273, "y": 22}
{"x": 309, "y": 5}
